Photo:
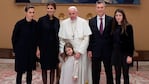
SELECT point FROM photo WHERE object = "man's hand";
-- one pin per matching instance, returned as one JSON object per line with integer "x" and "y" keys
{"x": 89, "y": 54}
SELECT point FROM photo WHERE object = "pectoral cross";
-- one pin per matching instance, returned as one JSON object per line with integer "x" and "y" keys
{"x": 73, "y": 26}
{"x": 73, "y": 36}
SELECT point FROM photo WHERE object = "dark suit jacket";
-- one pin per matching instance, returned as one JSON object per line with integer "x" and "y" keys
{"x": 101, "y": 45}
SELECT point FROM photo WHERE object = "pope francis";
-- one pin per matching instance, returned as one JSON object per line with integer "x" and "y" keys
{"x": 76, "y": 31}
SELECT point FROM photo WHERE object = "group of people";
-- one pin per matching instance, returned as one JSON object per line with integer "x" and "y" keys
{"x": 78, "y": 45}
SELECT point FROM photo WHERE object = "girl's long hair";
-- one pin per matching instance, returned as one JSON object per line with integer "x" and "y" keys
{"x": 124, "y": 22}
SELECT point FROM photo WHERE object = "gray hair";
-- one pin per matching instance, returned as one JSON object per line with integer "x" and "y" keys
{"x": 73, "y": 8}
{"x": 100, "y": 2}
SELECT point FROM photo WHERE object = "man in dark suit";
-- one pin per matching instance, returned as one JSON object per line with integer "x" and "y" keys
{"x": 100, "y": 46}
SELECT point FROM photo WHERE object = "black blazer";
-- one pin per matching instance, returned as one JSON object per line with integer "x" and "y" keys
{"x": 100, "y": 45}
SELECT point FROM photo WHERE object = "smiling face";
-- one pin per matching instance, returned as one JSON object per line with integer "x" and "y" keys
{"x": 69, "y": 51}
{"x": 72, "y": 12}
{"x": 100, "y": 9}
{"x": 50, "y": 10}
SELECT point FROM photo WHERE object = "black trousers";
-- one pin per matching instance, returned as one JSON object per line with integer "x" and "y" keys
{"x": 96, "y": 69}
{"x": 28, "y": 77}
{"x": 123, "y": 66}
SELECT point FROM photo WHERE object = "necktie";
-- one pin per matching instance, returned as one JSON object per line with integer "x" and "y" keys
{"x": 101, "y": 26}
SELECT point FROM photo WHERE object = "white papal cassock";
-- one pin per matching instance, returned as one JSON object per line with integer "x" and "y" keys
{"x": 77, "y": 33}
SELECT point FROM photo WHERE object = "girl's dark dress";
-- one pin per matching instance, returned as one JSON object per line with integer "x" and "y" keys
{"x": 48, "y": 42}
{"x": 24, "y": 41}
{"x": 123, "y": 45}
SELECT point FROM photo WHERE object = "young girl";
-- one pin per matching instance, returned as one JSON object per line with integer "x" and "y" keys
{"x": 69, "y": 71}
{"x": 123, "y": 45}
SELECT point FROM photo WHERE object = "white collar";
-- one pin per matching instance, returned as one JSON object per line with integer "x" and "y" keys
{"x": 103, "y": 17}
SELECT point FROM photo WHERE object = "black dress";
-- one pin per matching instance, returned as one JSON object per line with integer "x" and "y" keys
{"x": 48, "y": 42}
{"x": 24, "y": 41}
{"x": 123, "y": 44}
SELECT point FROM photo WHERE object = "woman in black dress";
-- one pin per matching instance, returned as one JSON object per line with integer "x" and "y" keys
{"x": 123, "y": 45}
{"x": 24, "y": 45}
{"x": 49, "y": 42}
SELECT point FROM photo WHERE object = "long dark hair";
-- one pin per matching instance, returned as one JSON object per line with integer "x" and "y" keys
{"x": 124, "y": 22}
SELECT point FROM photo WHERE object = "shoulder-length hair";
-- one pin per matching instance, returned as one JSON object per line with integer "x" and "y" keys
{"x": 64, "y": 55}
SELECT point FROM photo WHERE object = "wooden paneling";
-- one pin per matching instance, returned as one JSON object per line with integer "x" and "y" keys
{"x": 143, "y": 55}
{"x": 6, "y": 53}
